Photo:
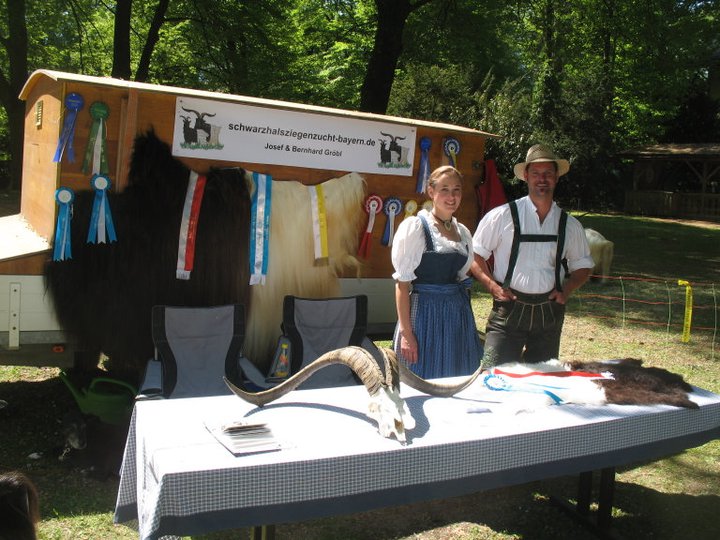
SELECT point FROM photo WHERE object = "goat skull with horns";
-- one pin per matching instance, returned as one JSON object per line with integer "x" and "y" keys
{"x": 386, "y": 406}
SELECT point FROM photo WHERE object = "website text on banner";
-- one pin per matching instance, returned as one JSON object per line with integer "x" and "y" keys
{"x": 252, "y": 134}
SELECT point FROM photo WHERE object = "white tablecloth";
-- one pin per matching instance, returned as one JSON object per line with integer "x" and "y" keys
{"x": 177, "y": 479}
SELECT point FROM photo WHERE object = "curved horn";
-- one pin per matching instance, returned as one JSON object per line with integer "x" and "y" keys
{"x": 427, "y": 387}
{"x": 192, "y": 111}
{"x": 203, "y": 115}
{"x": 356, "y": 358}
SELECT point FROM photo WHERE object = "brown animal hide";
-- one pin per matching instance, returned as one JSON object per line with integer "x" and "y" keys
{"x": 634, "y": 384}
{"x": 104, "y": 294}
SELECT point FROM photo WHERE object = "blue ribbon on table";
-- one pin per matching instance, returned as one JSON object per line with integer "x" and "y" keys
{"x": 260, "y": 227}
{"x": 424, "y": 168}
{"x": 73, "y": 103}
{"x": 62, "y": 248}
{"x": 102, "y": 228}
{"x": 499, "y": 383}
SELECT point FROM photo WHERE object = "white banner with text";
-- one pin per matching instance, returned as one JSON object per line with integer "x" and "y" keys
{"x": 226, "y": 131}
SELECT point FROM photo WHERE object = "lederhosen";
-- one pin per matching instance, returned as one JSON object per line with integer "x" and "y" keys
{"x": 532, "y": 321}
{"x": 441, "y": 315}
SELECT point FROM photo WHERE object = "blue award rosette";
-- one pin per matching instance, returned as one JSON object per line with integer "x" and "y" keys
{"x": 451, "y": 146}
{"x": 261, "y": 206}
{"x": 392, "y": 207}
{"x": 62, "y": 246}
{"x": 73, "y": 103}
{"x": 424, "y": 168}
{"x": 102, "y": 229}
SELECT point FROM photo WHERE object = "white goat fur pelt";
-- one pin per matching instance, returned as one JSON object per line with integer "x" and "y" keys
{"x": 623, "y": 382}
{"x": 291, "y": 267}
{"x": 579, "y": 390}
{"x": 601, "y": 250}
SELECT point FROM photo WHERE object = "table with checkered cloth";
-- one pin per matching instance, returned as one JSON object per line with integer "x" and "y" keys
{"x": 177, "y": 479}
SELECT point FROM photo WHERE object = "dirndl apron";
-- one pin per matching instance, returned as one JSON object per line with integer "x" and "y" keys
{"x": 441, "y": 316}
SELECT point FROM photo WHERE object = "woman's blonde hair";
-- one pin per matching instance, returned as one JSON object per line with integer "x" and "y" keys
{"x": 441, "y": 171}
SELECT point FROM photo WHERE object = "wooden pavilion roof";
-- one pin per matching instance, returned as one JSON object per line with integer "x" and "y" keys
{"x": 676, "y": 152}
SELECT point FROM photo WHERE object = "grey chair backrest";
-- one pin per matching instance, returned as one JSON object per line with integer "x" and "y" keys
{"x": 318, "y": 325}
{"x": 197, "y": 346}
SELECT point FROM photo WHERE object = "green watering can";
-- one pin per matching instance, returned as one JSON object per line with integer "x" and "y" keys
{"x": 108, "y": 399}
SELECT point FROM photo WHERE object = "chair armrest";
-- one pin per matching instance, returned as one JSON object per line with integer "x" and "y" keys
{"x": 151, "y": 386}
{"x": 253, "y": 374}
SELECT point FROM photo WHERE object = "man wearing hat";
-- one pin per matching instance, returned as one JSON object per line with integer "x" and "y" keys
{"x": 540, "y": 255}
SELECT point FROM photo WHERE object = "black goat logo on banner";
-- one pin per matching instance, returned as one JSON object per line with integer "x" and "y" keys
{"x": 391, "y": 153}
{"x": 199, "y": 132}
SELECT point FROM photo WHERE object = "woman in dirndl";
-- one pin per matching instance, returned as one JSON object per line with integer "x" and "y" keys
{"x": 432, "y": 252}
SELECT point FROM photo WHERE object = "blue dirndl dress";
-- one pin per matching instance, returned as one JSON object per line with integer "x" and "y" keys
{"x": 441, "y": 316}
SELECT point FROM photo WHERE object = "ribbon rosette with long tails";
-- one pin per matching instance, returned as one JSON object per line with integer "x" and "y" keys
{"x": 62, "y": 248}
{"x": 96, "y": 152}
{"x": 261, "y": 206}
{"x": 410, "y": 208}
{"x": 427, "y": 205}
{"x": 424, "y": 168}
{"x": 188, "y": 225}
{"x": 319, "y": 222}
{"x": 373, "y": 205}
{"x": 392, "y": 208}
{"x": 73, "y": 103}
{"x": 451, "y": 147}
{"x": 102, "y": 229}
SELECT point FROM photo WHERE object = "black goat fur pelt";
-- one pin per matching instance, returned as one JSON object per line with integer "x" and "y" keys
{"x": 104, "y": 294}
{"x": 634, "y": 384}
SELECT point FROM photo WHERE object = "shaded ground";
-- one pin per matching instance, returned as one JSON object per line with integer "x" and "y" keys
{"x": 9, "y": 203}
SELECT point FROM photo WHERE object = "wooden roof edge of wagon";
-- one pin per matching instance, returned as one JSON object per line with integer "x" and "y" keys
{"x": 61, "y": 76}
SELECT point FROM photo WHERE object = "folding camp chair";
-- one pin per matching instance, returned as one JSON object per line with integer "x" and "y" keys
{"x": 314, "y": 326}
{"x": 195, "y": 347}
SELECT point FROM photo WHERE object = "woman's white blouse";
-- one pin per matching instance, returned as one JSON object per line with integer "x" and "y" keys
{"x": 409, "y": 245}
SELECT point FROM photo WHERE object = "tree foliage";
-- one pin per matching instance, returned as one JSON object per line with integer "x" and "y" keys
{"x": 590, "y": 77}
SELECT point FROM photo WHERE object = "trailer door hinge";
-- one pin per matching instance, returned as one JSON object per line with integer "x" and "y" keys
{"x": 14, "y": 316}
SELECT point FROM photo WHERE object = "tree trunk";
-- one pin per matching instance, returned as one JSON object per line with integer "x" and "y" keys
{"x": 121, "y": 40}
{"x": 16, "y": 44}
{"x": 143, "y": 69}
{"x": 391, "y": 18}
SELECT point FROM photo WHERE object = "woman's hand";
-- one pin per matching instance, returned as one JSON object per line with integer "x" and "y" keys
{"x": 409, "y": 347}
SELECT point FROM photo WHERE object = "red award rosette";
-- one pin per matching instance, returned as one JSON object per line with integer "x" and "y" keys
{"x": 373, "y": 205}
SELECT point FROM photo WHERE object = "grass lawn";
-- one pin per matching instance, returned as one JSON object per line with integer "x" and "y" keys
{"x": 641, "y": 315}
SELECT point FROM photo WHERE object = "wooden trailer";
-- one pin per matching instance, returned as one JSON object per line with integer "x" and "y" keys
{"x": 287, "y": 141}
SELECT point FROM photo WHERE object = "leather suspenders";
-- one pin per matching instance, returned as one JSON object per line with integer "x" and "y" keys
{"x": 518, "y": 237}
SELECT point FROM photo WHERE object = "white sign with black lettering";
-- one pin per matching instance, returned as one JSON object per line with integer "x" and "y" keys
{"x": 226, "y": 131}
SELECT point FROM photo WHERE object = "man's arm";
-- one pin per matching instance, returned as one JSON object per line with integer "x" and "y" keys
{"x": 577, "y": 280}
{"x": 481, "y": 271}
